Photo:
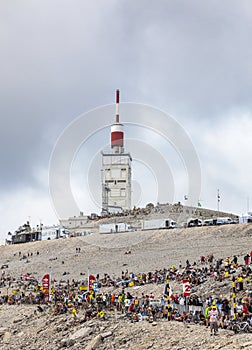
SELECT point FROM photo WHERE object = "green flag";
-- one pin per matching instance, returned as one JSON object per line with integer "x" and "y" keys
{"x": 199, "y": 204}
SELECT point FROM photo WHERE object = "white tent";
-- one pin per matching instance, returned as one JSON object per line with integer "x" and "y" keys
{"x": 245, "y": 218}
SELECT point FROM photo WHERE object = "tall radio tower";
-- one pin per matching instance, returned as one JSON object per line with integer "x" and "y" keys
{"x": 116, "y": 170}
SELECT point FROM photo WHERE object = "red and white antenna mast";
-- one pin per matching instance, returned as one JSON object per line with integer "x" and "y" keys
{"x": 117, "y": 133}
{"x": 117, "y": 105}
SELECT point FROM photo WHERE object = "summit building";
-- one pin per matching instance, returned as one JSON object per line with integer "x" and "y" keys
{"x": 116, "y": 170}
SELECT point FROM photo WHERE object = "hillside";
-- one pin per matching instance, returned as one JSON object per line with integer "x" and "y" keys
{"x": 22, "y": 327}
{"x": 150, "y": 250}
{"x": 177, "y": 212}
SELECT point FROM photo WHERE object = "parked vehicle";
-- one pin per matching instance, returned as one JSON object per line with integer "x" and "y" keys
{"x": 194, "y": 222}
{"x": 114, "y": 228}
{"x": 208, "y": 222}
{"x": 156, "y": 224}
{"x": 81, "y": 233}
{"x": 54, "y": 232}
{"x": 223, "y": 221}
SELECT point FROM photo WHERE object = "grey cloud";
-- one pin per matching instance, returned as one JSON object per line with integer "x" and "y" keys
{"x": 196, "y": 55}
{"x": 60, "y": 59}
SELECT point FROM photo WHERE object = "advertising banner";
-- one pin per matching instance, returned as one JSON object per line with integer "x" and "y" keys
{"x": 186, "y": 288}
{"x": 46, "y": 284}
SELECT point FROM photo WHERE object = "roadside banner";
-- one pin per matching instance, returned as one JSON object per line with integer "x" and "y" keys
{"x": 46, "y": 284}
{"x": 15, "y": 291}
{"x": 26, "y": 276}
{"x": 83, "y": 288}
{"x": 186, "y": 288}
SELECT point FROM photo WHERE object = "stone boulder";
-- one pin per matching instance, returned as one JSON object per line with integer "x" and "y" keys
{"x": 94, "y": 343}
{"x": 81, "y": 333}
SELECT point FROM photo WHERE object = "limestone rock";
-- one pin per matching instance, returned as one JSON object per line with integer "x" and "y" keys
{"x": 3, "y": 330}
{"x": 106, "y": 334}
{"x": 6, "y": 337}
{"x": 81, "y": 333}
{"x": 63, "y": 343}
{"x": 94, "y": 343}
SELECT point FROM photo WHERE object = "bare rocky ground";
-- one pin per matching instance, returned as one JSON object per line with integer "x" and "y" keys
{"x": 24, "y": 330}
{"x": 21, "y": 328}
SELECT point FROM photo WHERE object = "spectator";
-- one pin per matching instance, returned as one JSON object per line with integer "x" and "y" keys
{"x": 213, "y": 319}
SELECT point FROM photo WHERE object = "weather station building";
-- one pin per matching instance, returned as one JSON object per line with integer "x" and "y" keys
{"x": 116, "y": 170}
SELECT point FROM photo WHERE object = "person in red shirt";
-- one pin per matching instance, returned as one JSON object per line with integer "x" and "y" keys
{"x": 246, "y": 259}
{"x": 131, "y": 308}
{"x": 245, "y": 311}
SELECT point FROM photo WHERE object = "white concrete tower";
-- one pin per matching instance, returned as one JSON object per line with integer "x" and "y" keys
{"x": 116, "y": 171}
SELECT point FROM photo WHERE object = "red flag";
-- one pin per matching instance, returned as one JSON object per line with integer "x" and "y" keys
{"x": 46, "y": 284}
{"x": 91, "y": 280}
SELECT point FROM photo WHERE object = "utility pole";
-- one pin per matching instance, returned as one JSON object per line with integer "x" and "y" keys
{"x": 218, "y": 201}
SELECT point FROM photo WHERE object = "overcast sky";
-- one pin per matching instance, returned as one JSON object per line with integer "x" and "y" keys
{"x": 59, "y": 59}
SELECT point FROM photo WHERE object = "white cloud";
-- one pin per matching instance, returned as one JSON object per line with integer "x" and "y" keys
{"x": 224, "y": 149}
{"x": 27, "y": 204}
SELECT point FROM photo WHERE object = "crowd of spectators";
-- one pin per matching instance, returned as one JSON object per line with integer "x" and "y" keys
{"x": 116, "y": 293}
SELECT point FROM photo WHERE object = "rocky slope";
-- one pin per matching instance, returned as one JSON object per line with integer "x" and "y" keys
{"x": 26, "y": 330}
{"x": 22, "y": 327}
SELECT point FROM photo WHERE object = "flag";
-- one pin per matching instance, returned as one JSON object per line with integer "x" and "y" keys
{"x": 199, "y": 204}
{"x": 91, "y": 280}
{"x": 46, "y": 284}
{"x": 167, "y": 290}
{"x": 95, "y": 287}
{"x": 185, "y": 197}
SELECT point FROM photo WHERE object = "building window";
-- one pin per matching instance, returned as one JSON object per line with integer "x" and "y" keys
{"x": 107, "y": 174}
{"x": 123, "y": 173}
{"x": 115, "y": 192}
